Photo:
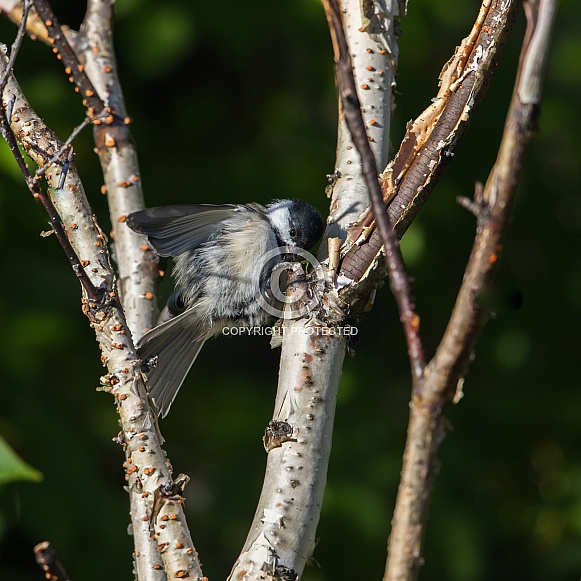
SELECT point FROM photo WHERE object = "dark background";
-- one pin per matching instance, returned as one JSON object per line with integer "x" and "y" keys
{"x": 235, "y": 102}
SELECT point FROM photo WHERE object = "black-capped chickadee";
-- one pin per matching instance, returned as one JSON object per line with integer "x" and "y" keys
{"x": 224, "y": 256}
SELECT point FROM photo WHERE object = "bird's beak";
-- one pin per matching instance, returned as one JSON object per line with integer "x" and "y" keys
{"x": 290, "y": 250}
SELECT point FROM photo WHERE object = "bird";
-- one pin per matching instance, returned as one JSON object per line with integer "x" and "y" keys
{"x": 224, "y": 256}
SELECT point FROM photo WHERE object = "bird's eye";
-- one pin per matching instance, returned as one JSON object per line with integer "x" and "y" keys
{"x": 292, "y": 232}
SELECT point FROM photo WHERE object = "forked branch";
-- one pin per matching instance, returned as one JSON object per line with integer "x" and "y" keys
{"x": 444, "y": 374}
{"x": 283, "y": 532}
{"x": 431, "y": 139}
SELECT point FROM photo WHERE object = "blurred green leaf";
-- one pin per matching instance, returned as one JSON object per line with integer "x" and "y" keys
{"x": 13, "y": 468}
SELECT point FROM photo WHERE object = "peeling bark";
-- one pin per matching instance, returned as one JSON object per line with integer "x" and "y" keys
{"x": 431, "y": 139}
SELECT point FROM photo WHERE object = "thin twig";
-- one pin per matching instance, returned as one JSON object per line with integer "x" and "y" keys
{"x": 65, "y": 168}
{"x": 93, "y": 293}
{"x": 64, "y": 52}
{"x": 398, "y": 278}
{"x": 444, "y": 375}
{"x": 48, "y": 561}
{"x": 75, "y": 132}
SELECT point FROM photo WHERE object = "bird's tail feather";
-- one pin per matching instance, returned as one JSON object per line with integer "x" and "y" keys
{"x": 168, "y": 351}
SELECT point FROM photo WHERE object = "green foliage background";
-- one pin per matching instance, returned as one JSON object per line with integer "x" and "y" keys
{"x": 235, "y": 102}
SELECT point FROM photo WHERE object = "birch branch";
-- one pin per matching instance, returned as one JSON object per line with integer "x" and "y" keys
{"x": 137, "y": 261}
{"x": 283, "y": 532}
{"x": 443, "y": 377}
{"x": 398, "y": 277}
{"x": 90, "y": 54}
{"x": 430, "y": 140}
{"x": 147, "y": 471}
{"x": 282, "y": 535}
{"x": 374, "y": 52}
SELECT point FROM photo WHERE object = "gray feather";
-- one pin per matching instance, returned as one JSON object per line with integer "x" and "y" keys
{"x": 173, "y": 230}
{"x": 169, "y": 351}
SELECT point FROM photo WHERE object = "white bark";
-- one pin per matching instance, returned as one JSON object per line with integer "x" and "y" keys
{"x": 136, "y": 260}
{"x": 374, "y": 55}
{"x": 283, "y": 531}
{"x": 137, "y": 268}
{"x": 284, "y": 528}
{"x": 147, "y": 471}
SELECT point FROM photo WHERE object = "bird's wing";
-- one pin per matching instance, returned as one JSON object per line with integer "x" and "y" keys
{"x": 168, "y": 351}
{"x": 172, "y": 230}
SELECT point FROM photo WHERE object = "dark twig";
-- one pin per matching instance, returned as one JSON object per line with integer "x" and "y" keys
{"x": 65, "y": 168}
{"x": 398, "y": 278}
{"x": 49, "y": 562}
{"x": 65, "y": 146}
{"x": 64, "y": 52}
{"x": 93, "y": 293}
